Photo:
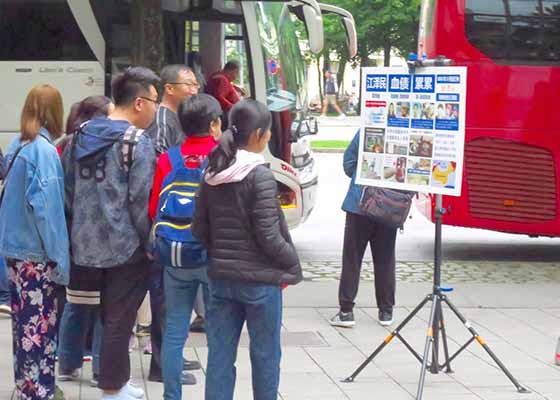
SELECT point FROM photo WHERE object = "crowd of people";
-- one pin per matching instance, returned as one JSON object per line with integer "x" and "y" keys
{"x": 79, "y": 208}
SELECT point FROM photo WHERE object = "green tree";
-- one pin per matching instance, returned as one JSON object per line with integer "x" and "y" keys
{"x": 380, "y": 25}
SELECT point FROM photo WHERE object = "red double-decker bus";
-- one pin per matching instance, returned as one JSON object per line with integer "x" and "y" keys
{"x": 512, "y": 150}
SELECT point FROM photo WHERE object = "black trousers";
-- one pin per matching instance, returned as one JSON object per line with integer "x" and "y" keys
{"x": 358, "y": 232}
{"x": 123, "y": 289}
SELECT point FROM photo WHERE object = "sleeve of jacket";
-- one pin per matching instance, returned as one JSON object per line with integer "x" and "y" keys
{"x": 140, "y": 178}
{"x": 45, "y": 196}
{"x": 267, "y": 221}
{"x": 69, "y": 179}
{"x": 201, "y": 220}
{"x": 350, "y": 161}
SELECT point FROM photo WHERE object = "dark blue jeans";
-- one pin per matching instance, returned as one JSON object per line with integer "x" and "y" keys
{"x": 75, "y": 325}
{"x": 230, "y": 305}
{"x": 181, "y": 287}
{"x": 4, "y": 285}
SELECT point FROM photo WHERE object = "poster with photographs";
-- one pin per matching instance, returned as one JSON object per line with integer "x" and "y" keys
{"x": 413, "y": 129}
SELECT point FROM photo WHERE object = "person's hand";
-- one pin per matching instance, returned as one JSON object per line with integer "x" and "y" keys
{"x": 150, "y": 256}
{"x": 242, "y": 92}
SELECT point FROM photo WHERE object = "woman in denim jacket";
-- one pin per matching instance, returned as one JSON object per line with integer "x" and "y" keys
{"x": 34, "y": 240}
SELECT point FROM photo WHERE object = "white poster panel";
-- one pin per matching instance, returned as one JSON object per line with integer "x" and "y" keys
{"x": 413, "y": 129}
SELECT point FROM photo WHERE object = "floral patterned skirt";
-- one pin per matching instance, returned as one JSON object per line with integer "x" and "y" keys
{"x": 34, "y": 317}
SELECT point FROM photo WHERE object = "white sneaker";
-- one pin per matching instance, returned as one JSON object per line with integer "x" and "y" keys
{"x": 127, "y": 392}
{"x": 341, "y": 116}
{"x": 120, "y": 395}
{"x": 133, "y": 390}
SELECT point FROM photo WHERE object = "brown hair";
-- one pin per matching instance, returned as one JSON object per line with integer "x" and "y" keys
{"x": 89, "y": 108}
{"x": 42, "y": 109}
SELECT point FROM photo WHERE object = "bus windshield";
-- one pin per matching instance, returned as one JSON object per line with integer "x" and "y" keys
{"x": 285, "y": 68}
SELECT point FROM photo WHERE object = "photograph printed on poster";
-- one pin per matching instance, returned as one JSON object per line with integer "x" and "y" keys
{"x": 398, "y": 114}
{"x": 418, "y": 171}
{"x": 447, "y": 116}
{"x": 374, "y": 140}
{"x": 421, "y": 145}
{"x": 394, "y": 169}
{"x": 443, "y": 174}
{"x": 422, "y": 116}
{"x": 396, "y": 148}
{"x": 371, "y": 166}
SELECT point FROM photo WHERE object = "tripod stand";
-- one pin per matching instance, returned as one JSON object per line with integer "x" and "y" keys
{"x": 436, "y": 327}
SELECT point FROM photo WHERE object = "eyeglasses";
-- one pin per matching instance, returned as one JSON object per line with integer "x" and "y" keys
{"x": 191, "y": 83}
{"x": 147, "y": 98}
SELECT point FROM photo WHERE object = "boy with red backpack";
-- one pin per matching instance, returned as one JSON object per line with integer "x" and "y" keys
{"x": 171, "y": 207}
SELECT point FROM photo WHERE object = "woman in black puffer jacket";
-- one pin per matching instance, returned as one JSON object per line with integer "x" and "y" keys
{"x": 251, "y": 255}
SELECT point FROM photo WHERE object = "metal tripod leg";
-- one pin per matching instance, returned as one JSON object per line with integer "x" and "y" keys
{"x": 444, "y": 339}
{"x": 429, "y": 343}
{"x": 434, "y": 365}
{"x": 482, "y": 342}
{"x": 388, "y": 339}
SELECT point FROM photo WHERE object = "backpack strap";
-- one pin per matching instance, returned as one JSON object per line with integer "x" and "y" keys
{"x": 130, "y": 140}
{"x": 175, "y": 157}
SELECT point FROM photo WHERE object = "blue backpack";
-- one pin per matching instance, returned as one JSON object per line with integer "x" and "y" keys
{"x": 173, "y": 244}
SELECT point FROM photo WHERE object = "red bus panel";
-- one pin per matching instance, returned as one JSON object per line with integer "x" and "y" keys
{"x": 512, "y": 149}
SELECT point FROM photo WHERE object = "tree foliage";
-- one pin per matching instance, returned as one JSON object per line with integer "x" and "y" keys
{"x": 380, "y": 25}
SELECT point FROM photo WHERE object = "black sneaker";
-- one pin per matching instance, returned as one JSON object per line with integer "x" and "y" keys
{"x": 197, "y": 325}
{"x": 143, "y": 330}
{"x": 385, "y": 317}
{"x": 343, "y": 319}
{"x": 186, "y": 378}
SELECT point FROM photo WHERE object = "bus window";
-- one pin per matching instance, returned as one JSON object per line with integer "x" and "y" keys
{"x": 234, "y": 47}
{"x": 207, "y": 53}
{"x": 515, "y": 31}
{"x": 285, "y": 74}
{"x": 39, "y": 30}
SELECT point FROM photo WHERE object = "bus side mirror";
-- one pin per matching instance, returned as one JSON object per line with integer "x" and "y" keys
{"x": 347, "y": 20}
{"x": 310, "y": 13}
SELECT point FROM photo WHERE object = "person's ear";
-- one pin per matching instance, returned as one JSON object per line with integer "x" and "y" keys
{"x": 168, "y": 89}
{"x": 138, "y": 104}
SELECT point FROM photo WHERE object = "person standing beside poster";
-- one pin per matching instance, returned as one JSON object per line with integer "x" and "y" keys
{"x": 358, "y": 232}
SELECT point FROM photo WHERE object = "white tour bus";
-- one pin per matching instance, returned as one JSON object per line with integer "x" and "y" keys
{"x": 79, "y": 45}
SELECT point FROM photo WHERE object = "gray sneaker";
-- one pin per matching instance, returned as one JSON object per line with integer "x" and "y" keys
{"x": 343, "y": 319}
{"x": 385, "y": 317}
{"x": 67, "y": 375}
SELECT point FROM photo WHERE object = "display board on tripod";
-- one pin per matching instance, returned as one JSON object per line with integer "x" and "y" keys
{"x": 413, "y": 129}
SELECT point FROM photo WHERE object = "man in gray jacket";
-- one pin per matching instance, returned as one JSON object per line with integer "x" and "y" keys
{"x": 107, "y": 192}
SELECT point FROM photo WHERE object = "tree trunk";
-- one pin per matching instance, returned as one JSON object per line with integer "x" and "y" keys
{"x": 148, "y": 47}
{"x": 387, "y": 53}
{"x": 340, "y": 73}
{"x": 319, "y": 78}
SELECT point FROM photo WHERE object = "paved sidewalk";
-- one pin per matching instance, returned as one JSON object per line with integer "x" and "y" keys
{"x": 520, "y": 322}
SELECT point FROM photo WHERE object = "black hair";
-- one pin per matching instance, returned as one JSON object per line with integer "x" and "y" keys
{"x": 231, "y": 65}
{"x": 245, "y": 117}
{"x": 132, "y": 83}
{"x": 195, "y": 113}
{"x": 170, "y": 73}
{"x": 88, "y": 108}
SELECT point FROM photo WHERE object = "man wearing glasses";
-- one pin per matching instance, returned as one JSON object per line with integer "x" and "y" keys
{"x": 178, "y": 82}
{"x": 107, "y": 187}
